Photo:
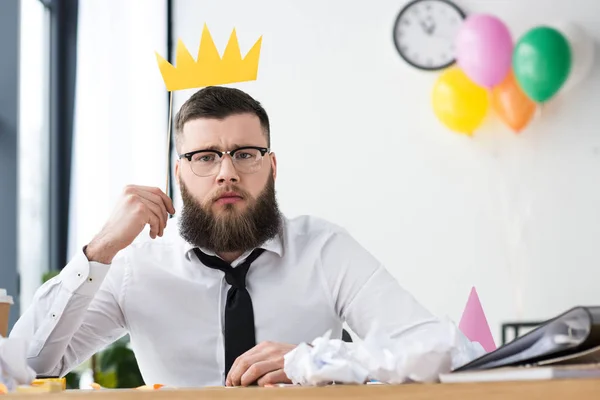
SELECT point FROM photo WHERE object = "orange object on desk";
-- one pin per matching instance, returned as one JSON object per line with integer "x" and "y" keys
{"x": 156, "y": 386}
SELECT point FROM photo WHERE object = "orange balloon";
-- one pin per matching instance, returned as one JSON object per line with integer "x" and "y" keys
{"x": 512, "y": 104}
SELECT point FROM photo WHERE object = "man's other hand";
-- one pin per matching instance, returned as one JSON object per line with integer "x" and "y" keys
{"x": 263, "y": 364}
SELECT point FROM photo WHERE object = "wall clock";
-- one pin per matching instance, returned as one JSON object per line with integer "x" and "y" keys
{"x": 424, "y": 33}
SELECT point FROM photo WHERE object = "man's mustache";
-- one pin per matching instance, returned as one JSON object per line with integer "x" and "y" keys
{"x": 229, "y": 191}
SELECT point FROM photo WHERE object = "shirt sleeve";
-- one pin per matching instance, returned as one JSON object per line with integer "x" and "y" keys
{"x": 365, "y": 294}
{"x": 73, "y": 315}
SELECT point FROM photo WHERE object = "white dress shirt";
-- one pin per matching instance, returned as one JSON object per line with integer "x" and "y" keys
{"x": 311, "y": 278}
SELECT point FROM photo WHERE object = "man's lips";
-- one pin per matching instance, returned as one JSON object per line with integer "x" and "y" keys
{"x": 229, "y": 198}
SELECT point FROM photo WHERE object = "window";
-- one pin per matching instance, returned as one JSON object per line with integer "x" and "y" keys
{"x": 33, "y": 147}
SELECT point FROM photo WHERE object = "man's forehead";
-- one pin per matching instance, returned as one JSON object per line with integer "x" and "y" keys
{"x": 235, "y": 128}
{"x": 243, "y": 120}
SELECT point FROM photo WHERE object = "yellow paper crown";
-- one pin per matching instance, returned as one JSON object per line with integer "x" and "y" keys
{"x": 210, "y": 69}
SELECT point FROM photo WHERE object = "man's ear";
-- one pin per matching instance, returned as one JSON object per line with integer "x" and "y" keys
{"x": 273, "y": 165}
{"x": 177, "y": 177}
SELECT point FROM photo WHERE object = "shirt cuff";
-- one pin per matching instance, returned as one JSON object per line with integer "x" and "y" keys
{"x": 83, "y": 277}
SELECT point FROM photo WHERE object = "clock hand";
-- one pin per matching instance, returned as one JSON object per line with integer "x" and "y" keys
{"x": 425, "y": 27}
{"x": 432, "y": 28}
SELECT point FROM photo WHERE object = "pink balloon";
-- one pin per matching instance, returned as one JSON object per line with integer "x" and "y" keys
{"x": 484, "y": 48}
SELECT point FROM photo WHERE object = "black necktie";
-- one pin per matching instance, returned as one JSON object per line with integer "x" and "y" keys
{"x": 239, "y": 315}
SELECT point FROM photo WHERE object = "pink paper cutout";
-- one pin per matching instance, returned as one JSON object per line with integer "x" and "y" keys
{"x": 474, "y": 324}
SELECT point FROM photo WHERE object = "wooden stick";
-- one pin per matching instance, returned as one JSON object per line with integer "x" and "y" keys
{"x": 169, "y": 143}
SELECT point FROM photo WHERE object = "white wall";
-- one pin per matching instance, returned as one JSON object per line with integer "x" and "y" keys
{"x": 358, "y": 144}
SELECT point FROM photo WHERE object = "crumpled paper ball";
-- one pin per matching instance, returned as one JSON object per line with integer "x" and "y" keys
{"x": 14, "y": 370}
{"x": 417, "y": 355}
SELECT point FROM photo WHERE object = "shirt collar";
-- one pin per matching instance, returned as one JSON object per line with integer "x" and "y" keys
{"x": 274, "y": 245}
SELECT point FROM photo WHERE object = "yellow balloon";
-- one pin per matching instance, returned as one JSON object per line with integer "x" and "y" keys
{"x": 458, "y": 102}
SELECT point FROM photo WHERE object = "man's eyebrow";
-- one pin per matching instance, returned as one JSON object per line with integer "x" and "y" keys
{"x": 218, "y": 148}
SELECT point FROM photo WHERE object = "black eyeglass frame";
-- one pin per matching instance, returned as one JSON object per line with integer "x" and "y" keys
{"x": 262, "y": 150}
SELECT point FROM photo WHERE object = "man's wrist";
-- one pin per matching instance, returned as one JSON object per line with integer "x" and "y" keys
{"x": 99, "y": 251}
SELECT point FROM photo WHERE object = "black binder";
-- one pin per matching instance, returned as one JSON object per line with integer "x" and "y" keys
{"x": 571, "y": 338}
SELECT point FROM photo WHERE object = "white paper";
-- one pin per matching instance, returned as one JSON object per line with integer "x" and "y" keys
{"x": 14, "y": 370}
{"x": 327, "y": 361}
{"x": 419, "y": 355}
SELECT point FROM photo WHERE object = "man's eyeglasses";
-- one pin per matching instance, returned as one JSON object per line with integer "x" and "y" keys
{"x": 247, "y": 160}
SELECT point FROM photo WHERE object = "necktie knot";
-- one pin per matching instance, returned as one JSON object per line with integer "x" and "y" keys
{"x": 236, "y": 277}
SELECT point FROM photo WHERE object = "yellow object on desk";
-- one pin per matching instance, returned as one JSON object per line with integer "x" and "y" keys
{"x": 41, "y": 387}
{"x": 43, "y": 381}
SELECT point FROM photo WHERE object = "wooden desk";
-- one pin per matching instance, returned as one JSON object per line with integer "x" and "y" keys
{"x": 581, "y": 389}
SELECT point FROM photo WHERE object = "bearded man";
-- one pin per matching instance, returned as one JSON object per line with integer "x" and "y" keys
{"x": 220, "y": 293}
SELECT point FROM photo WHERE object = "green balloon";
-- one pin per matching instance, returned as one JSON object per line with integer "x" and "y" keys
{"x": 542, "y": 62}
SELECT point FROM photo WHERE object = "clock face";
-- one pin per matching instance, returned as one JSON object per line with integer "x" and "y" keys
{"x": 425, "y": 31}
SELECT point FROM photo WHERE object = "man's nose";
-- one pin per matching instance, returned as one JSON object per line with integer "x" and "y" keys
{"x": 227, "y": 172}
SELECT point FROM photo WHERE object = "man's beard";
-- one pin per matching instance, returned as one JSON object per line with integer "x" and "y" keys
{"x": 230, "y": 230}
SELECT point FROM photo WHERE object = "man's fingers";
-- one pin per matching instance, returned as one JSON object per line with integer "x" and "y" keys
{"x": 166, "y": 200}
{"x": 258, "y": 370}
{"x": 274, "y": 377}
{"x": 154, "y": 224}
{"x": 260, "y": 360}
{"x": 158, "y": 213}
{"x": 242, "y": 364}
{"x": 155, "y": 199}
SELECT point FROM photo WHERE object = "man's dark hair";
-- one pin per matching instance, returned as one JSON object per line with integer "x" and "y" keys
{"x": 220, "y": 102}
